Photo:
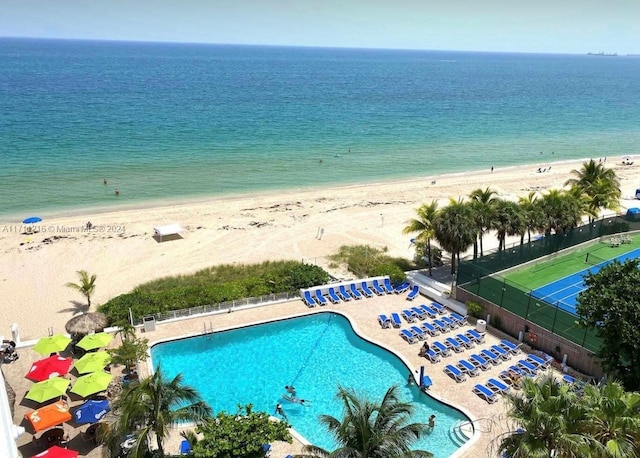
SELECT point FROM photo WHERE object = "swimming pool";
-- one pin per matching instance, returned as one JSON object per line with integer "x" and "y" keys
{"x": 314, "y": 353}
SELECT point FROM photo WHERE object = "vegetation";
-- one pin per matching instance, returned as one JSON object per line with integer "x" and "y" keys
{"x": 366, "y": 261}
{"x": 599, "y": 185}
{"x": 454, "y": 229}
{"x": 423, "y": 226}
{"x": 558, "y": 419}
{"x": 369, "y": 429}
{"x": 86, "y": 286}
{"x": 238, "y": 435}
{"x": 132, "y": 350}
{"x": 611, "y": 305}
{"x": 147, "y": 409}
{"x": 483, "y": 204}
{"x": 212, "y": 286}
{"x": 475, "y": 309}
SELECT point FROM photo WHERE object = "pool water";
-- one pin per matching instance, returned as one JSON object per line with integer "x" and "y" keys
{"x": 315, "y": 354}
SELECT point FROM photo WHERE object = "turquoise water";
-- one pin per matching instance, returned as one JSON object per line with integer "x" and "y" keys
{"x": 180, "y": 121}
{"x": 315, "y": 354}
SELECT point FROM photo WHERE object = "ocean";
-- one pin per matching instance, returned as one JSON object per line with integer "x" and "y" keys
{"x": 166, "y": 122}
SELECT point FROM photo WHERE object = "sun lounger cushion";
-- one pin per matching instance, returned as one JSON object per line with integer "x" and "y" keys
{"x": 344, "y": 295}
{"x": 308, "y": 300}
{"x": 320, "y": 299}
{"x": 378, "y": 289}
{"x": 387, "y": 285}
{"x": 497, "y": 385}
{"x": 485, "y": 393}
{"x": 467, "y": 367}
{"x": 453, "y": 344}
{"x": 480, "y": 361}
{"x": 402, "y": 288}
{"x": 429, "y": 310}
{"x": 454, "y": 372}
{"x": 432, "y": 356}
{"x": 440, "y": 348}
{"x": 354, "y": 291}
{"x": 409, "y": 316}
{"x": 414, "y": 292}
{"x": 439, "y": 307}
{"x": 408, "y": 336}
{"x": 430, "y": 329}
{"x": 333, "y": 297}
{"x": 365, "y": 289}
{"x": 395, "y": 320}
{"x": 384, "y": 321}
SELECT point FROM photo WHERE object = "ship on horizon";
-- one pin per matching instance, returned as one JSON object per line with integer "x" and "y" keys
{"x": 607, "y": 54}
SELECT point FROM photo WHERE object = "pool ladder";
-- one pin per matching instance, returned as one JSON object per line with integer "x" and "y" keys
{"x": 206, "y": 330}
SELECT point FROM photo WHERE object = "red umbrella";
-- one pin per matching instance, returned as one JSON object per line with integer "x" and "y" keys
{"x": 46, "y": 368}
{"x": 57, "y": 452}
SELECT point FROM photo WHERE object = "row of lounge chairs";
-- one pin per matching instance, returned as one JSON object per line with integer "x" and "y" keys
{"x": 480, "y": 361}
{"x": 356, "y": 291}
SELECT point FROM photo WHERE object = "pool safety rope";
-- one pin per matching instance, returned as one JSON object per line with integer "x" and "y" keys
{"x": 313, "y": 349}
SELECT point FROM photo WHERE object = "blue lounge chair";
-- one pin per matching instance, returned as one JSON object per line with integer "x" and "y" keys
{"x": 185, "y": 447}
{"x": 365, "y": 289}
{"x": 408, "y": 336}
{"x": 333, "y": 297}
{"x": 497, "y": 385}
{"x": 440, "y": 348}
{"x": 485, "y": 393}
{"x": 402, "y": 288}
{"x": 409, "y": 316}
{"x": 510, "y": 346}
{"x": 462, "y": 320}
{"x": 387, "y": 286}
{"x": 426, "y": 382}
{"x": 308, "y": 300}
{"x": 354, "y": 291}
{"x": 395, "y": 320}
{"x": 506, "y": 376}
{"x": 449, "y": 322}
{"x": 527, "y": 367}
{"x": 429, "y": 329}
{"x": 491, "y": 356}
{"x": 344, "y": 295}
{"x": 475, "y": 336}
{"x": 568, "y": 379}
{"x": 429, "y": 311}
{"x": 432, "y": 356}
{"x": 541, "y": 362}
{"x": 320, "y": 299}
{"x": 480, "y": 361}
{"x": 453, "y": 344}
{"x": 441, "y": 325}
{"x": 439, "y": 307}
{"x": 413, "y": 293}
{"x": 419, "y": 313}
{"x": 501, "y": 352}
{"x": 384, "y": 321}
{"x": 454, "y": 372}
{"x": 266, "y": 448}
{"x": 379, "y": 290}
{"x": 419, "y": 333}
{"x": 467, "y": 367}
{"x": 464, "y": 340}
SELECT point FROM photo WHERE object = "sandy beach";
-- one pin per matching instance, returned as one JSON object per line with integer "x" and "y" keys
{"x": 306, "y": 225}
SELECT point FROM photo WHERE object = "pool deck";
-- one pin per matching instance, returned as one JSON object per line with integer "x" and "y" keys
{"x": 489, "y": 419}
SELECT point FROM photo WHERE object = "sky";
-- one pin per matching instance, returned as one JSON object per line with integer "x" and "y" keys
{"x": 546, "y": 26}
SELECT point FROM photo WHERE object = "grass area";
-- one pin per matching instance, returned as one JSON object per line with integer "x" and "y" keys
{"x": 555, "y": 267}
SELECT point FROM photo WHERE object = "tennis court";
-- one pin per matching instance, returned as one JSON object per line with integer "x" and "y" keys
{"x": 563, "y": 292}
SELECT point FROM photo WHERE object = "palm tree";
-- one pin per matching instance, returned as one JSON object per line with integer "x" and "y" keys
{"x": 547, "y": 418}
{"x": 602, "y": 195}
{"x": 562, "y": 211}
{"x": 599, "y": 184}
{"x": 508, "y": 219}
{"x": 150, "y": 407}
{"x": 454, "y": 230}
{"x": 423, "y": 225}
{"x": 532, "y": 214}
{"x": 86, "y": 287}
{"x": 483, "y": 205}
{"x": 371, "y": 430}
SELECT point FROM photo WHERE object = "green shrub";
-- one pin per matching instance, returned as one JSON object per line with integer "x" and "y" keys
{"x": 475, "y": 309}
{"x": 395, "y": 273}
{"x": 365, "y": 261}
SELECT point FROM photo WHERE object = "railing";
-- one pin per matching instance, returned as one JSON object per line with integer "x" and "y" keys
{"x": 203, "y": 309}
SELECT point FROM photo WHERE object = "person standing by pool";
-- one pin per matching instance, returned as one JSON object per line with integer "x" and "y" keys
{"x": 280, "y": 411}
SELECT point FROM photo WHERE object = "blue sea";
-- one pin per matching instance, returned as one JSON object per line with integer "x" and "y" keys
{"x": 169, "y": 122}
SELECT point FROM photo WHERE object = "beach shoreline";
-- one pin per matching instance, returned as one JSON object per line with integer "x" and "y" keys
{"x": 300, "y": 224}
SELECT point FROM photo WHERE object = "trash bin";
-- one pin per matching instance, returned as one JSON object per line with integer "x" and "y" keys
{"x": 481, "y": 326}
{"x": 149, "y": 323}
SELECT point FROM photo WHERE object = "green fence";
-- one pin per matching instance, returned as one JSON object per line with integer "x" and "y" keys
{"x": 479, "y": 276}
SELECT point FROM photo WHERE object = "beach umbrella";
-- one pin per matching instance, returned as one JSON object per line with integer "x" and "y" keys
{"x": 93, "y": 341}
{"x": 32, "y": 220}
{"x": 91, "y": 383}
{"x": 52, "y": 344}
{"x": 91, "y": 411}
{"x": 57, "y": 452}
{"x": 50, "y": 367}
{"x": 48, "y": 389}
{"x": 92, "y": 362}
{"x": 87, "y": 323}
{"x": 48, "y": 416}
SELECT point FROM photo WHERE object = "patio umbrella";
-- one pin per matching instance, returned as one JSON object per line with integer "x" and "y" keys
{"x": 93, "y": 341}
{"x": 52, "y": 344}
{"x": 91, "y": 383}
{"x": 86, "y": 323}
{"x": 50, "y": 367}
{"x": 48, "y": 389}
{"x": 57, "y": 452}
{"x": 91, "y": 411}
{"x": 48, "y": 416}
{"x": 92, "y": 362}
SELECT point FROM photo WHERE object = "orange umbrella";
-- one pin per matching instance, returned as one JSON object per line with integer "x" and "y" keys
{"x": 48, "y": 416}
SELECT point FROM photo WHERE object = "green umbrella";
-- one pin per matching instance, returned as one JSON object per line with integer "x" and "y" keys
{"x": 52, "y": 344}
{"x": 94, "y": 341}
{"x": 48, "y": 389}
{"x": 92, "y": 362}
{"x": 91, "y": 383}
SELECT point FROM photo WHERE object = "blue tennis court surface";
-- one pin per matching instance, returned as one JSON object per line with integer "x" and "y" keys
{"x": 563, "y": 293}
